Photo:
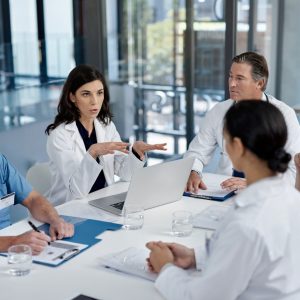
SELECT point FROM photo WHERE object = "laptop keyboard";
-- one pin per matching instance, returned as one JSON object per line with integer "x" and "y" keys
{"x": 118, "y": 205}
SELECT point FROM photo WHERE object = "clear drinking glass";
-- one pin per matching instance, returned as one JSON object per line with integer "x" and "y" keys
{"x": 182, "y": 224}
{"x": 19, "y": 260}
{"x": 133, "y": 216}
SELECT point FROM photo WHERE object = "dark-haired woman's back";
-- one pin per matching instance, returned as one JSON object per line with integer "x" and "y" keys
{"x": 255, "y": 252}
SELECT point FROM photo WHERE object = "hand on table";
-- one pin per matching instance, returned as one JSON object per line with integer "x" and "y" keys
{"x": 195, "y": 183}
{"x": 61, "y": 229}
{"x": 234, "y": 183}
{"x": 159, "y": 256}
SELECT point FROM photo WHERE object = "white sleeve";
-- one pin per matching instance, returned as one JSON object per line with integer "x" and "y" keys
{"x": 124, "y": 164}
{"x": 204, "y": 143}
{"x": 293, "y": 143}
{"x": 229, "y": 268}
{"x": 78, "y": 175}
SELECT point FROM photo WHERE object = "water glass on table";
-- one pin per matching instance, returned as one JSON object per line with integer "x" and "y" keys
{"x": 19, "y": 259}
{"x": 133, "y": 216}
{"x": 182, "y": 223}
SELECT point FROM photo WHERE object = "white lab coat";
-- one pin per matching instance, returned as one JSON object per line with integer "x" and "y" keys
{"x": 74, "y": 170}
{"x": 210, "y": 136}
{"x": 254, "y": 254}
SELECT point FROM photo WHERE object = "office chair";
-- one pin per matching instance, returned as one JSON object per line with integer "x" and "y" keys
{"x": 39, "y": 177}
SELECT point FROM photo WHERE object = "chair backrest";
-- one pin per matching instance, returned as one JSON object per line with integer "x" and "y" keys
{"x": 39, "y": 177}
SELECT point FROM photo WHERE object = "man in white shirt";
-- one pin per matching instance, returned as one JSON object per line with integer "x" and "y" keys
{"x": 248, "y": 79}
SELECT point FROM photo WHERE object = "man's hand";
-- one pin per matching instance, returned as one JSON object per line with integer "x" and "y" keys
{"x": 61, "y": 229}
{"x": 234, "y": 183}
{"x": 195, "y": 183}
{"x": 141, "y": 148}
{"x": 37, "y": 241}
{"x": 159, "y": 256}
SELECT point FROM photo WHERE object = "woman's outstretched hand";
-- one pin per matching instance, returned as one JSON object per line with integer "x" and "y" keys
{"x": 141, "y": 148}
{"x": 108, "y": 148}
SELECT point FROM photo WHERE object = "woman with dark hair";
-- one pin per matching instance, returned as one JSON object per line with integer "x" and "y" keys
{"x": 84, "y": 147}
{"x": 255, "y": 252}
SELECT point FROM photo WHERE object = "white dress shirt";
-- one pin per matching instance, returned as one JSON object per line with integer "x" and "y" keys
{"x": 74, "y": 170}
{"x": 210, "y": 136}
{"x": 254, "y": 254}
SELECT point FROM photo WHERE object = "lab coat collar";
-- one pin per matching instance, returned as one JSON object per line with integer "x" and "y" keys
{"x": 72, "y": 127}
{"x": 247, "y": 196}
{"x": 99, "y": 128}
{"x": 263, "y": 97}
{"x": 100, "y": 131}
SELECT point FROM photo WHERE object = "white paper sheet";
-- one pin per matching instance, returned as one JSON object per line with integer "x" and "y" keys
{"x": 58, "y": 251}
{"x": 131, "y": 261}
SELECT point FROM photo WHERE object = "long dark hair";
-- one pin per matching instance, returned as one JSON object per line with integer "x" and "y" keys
{"x": 262, "y": 129}
{"x": 67, "y": 111}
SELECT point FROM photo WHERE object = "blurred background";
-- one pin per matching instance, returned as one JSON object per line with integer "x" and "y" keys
{"x": 166, "y": 62}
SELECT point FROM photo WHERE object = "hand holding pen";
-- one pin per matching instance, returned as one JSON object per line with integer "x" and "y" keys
{"x": 35, "y": 229}
{"x": 37, "y": 241}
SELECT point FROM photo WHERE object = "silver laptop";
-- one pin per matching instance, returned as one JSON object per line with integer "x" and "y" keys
{"x": 151, "y": 186}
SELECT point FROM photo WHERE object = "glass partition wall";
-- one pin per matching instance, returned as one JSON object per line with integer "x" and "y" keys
{"x": 152, "y": 53}
{"x": 152, "y": 49}
{"x": 167, "y": 60}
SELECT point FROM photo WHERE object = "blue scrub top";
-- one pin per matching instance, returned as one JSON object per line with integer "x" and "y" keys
{"x": 11, "y": 181}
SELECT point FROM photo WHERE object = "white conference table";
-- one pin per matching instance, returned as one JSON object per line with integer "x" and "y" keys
{"x": 83, "y": 273}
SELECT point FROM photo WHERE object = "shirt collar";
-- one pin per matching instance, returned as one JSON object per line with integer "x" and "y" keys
{"x": 263, "y": 97}
{"x": 247, "y": 197}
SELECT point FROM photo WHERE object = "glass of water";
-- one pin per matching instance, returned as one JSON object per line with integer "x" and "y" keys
{"x": 133, "y": 216}
{"x": 182, "y": 224}
{"x": 19, "y": 260}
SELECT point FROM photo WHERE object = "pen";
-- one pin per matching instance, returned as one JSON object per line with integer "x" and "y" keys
{"x": 72, "y": 253}
{"x": 35, "y": 228}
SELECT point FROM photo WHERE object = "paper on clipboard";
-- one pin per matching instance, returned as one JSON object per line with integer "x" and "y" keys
{"x": 58, "y": 252}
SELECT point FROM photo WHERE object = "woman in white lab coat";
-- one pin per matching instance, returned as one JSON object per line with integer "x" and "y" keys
{"x": 255, "y": 252}
{"x": 84, "y": 146}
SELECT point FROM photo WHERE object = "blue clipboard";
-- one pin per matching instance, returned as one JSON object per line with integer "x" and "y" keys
{"x": 214, "y": 198}
{"x": 86, "y": 231}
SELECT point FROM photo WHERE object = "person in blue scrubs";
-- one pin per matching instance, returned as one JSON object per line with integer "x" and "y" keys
{"x": 11, "y": 181}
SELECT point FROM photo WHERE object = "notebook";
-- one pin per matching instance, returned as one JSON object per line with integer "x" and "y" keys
{"x": 150, "y": 187}
{"x": 130, "y": 261}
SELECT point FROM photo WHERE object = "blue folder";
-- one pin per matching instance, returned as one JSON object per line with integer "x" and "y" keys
{"x": 86, "y": 231}
{"x": 214, "y": 198}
